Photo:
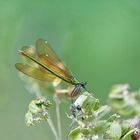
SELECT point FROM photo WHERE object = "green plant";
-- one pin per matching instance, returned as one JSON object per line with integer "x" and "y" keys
{"x": 119, "y": 120}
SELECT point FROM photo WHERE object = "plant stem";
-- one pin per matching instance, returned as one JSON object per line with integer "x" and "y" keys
{"x": 58, "y": 117}
{"x": 53, "y": 129}
{"x": 50, "y": 123}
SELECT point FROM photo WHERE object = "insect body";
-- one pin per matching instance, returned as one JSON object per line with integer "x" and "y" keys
{"x": 49, "y": 65}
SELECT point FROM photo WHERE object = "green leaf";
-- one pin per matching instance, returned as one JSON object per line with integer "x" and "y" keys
{"x": 127, "y": 110}
{"x": 115, "y": 131}
{"x": 125, "y": 127}
{"x": 128, "y": 135}
{"x": 101, "y": 126}
{"x": 75, "y": 134}
{"x": 85, "y": 131}
{"x": 90, "y": 103}
{"x": 103, "y": 110}
{"x": 117, "y": 103}
{"x": 113, "y": 117}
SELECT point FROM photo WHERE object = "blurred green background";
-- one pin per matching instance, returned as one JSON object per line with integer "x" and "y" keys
{"x": 99, "y": 40}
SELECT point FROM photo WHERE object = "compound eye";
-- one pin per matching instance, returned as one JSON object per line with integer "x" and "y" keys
{"x": 83, "y": 84}
{"x": 79, "y": 107}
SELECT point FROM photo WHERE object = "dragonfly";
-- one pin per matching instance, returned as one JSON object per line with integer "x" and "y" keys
{"x": 49, "y": 65}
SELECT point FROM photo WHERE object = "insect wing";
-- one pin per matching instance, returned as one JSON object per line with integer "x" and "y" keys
{"x": 48, "y": 57}
{"x": 35, "y": 72}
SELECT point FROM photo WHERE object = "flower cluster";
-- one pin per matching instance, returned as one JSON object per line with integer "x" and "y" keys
{"x": 37, "y": 111}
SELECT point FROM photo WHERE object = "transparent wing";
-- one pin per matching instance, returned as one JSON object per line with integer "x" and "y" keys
{"x": 31, "y": 51}
{"x": 34, "y": 72}
{"x": 48, "y": 57}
